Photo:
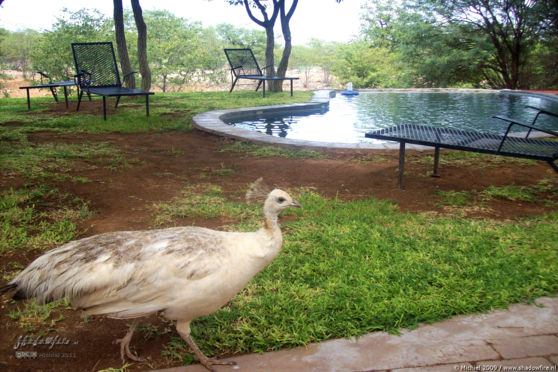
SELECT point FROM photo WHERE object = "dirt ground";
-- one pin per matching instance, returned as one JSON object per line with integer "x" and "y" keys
{"x": 162, "y": 164}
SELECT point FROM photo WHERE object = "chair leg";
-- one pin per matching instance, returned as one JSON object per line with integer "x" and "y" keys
{"x": 79, "y": 98}
{"x": 260, "y": 83}
{"x": 54, "y": 94}
{"x": 436, "y": 161}
{"x": 147, "y": 105}
{"x": 401, "y": 164}
{"x": 66, "y": 95}
{"x": 291, "y": 87}
{"x": 233, "y": 84}
{"x": 104, "y": 108}
{"x": 263, "y": 81}
{"x": 117, "y": 100}
{"x": 28, "y": 99}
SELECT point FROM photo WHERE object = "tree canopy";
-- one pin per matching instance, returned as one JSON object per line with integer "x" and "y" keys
{"x": 401, "y": 44}
{"x": 494, "y": 43}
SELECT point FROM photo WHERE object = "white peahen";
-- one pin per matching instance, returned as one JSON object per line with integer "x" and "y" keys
{"x": 183, "y": 272}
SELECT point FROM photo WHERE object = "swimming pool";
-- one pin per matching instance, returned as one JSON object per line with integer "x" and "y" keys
{"x": 349, "y": 118}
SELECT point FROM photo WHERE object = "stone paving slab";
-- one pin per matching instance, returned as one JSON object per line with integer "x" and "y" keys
{"x": 520, "y": 347}
{"x": 523, "y": 335}
{"x": 526, "y": 363}
{"x": 440, "y": 368}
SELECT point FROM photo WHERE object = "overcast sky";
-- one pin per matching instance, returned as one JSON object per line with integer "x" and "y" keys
{"x": 322, "y": 19}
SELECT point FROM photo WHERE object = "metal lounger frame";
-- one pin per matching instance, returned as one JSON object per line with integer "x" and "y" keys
{"x": 52, "y": 86}
{"x": 97, "y": 73}
{"x": 505, "y": 145}
{"x": 245, "y": 66}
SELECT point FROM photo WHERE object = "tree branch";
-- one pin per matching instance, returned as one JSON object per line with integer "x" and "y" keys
{"x": 292, "y": 9}
{"x": 252, "y": 17}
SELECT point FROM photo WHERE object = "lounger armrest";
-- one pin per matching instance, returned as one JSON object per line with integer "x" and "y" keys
{"x": 509, "y": 120}
{"x": 531, "y": 127}
{"x": 83, "y": 79}
{"x": 43, "y": 74}
{"x": 543, "y": 111}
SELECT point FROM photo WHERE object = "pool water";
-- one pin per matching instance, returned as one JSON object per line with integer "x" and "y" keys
{"x": 349, "y": 118}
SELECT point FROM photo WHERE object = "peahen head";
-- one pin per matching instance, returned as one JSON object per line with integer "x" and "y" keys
{"x": 277, "y": 200}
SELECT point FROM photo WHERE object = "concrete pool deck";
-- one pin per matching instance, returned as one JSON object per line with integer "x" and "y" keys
{"x": 212, "y": 121}
{"x": 523, "y": 336}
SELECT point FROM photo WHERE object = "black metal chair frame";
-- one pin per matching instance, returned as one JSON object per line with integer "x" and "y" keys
{"x": 52, "y": 86}
{"x": 238, "y": 71}
{"x": 94, "y": 78}
{"x": 505, "y": 145}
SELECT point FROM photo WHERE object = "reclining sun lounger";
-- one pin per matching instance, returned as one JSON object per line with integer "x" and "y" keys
{"x": 505, "y": 145}
{"x": 245, "y": 66}
{"x": 97, "y": 73}
{"x": 52, "y": 86}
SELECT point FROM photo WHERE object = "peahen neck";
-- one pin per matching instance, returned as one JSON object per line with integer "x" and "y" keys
{"x": 270, "y": 218}
{"x": 270, "y": 222}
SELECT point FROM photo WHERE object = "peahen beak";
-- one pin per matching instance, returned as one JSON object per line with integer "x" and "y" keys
{"x": 295, "y": 204}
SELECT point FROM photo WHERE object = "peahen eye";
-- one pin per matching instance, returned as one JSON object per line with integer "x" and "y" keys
{"x": 281, "y": 200}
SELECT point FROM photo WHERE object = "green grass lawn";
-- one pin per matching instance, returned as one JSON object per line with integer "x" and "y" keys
{"x": 167, "y": 111}
{"x": 352, "y": 267}
{"x": 347, "y": 267}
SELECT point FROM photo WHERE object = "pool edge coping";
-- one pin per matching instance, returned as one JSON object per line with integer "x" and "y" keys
{"x": 211, "y": 121}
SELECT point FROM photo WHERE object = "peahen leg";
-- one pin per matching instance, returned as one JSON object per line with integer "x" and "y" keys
{"x": 183, "y": 329}
{"x": 125, "y": 344}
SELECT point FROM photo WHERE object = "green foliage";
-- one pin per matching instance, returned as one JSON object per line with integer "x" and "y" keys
{"x": 52, "y": 52}
{"x": 427, "y": 54}
{"x": 448, "y": 43}
{"x": 316, "y": 54}
{"x": 17, "y": 48}
{"x": 510, "y": 27}
{"x": 367, "y": 66}
{"x": 180, "y": 52}
{"x": 234, "y": 37}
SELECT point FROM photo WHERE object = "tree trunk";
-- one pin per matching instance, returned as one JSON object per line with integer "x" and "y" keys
{"x": 268, "y": 23}
{"x": 277, "y": 85}
{"x": 129, "y": 80}
{"x": 269, "y": 49}
{"x": 142, "y": 46}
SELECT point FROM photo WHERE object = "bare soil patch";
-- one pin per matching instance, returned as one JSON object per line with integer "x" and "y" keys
{"x": 162, "y": 164}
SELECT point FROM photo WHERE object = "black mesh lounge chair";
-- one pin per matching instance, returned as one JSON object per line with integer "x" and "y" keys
{"x": 97, "y": 73}
{"x": 505, "y": 145}
{"x": 244, "y": 66}
{"x": 51, "y": 85}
